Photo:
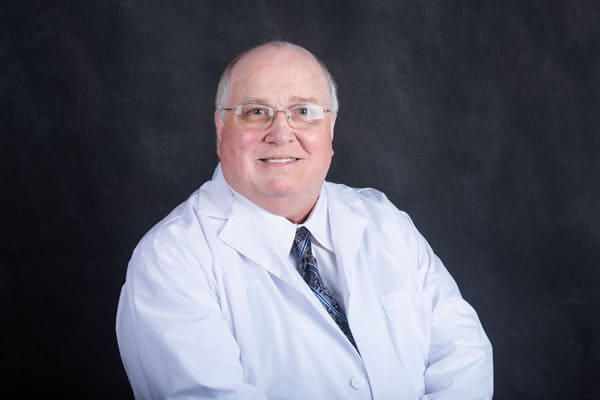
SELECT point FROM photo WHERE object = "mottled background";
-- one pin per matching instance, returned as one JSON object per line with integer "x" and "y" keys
{"x": 480, "y": 119}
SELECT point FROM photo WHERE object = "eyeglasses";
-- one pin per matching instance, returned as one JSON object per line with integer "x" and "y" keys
{"x": 260, "y": 116}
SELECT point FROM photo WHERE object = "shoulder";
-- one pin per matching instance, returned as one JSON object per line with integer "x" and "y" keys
{"x": 183, "y": 230}
{"x": 174, "y": 231}
{"x": 370, "y": 202}
{"x": 210, "y": 201}
{"x": 383, "y": 219}
{"x": 175, "y": 252}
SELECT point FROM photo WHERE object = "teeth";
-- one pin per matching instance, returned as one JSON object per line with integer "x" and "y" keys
{"x": 279, "y": 160}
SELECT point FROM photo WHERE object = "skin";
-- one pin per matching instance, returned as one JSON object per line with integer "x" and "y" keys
{"x": 279, "y": 77}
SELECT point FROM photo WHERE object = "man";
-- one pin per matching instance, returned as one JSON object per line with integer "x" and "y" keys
{"x": 269, "y": 283}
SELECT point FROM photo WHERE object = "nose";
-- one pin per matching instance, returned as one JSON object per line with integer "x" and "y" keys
{"x": 280, "y": 131}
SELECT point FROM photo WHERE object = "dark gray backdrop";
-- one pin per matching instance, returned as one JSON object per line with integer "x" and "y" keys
{"x": 480, "y": 119}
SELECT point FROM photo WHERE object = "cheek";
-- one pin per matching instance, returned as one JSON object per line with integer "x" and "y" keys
{"x": 248, "y": 140}
{"x": 239, "y": 143}
{"x": 321, "y": 145}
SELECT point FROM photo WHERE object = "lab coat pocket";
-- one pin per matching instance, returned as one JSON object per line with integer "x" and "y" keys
{"x": 407, "y": 320}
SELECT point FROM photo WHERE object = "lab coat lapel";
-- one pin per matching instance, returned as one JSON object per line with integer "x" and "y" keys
{"x": 347, "y": 229}
{"x": 251, "y": 239}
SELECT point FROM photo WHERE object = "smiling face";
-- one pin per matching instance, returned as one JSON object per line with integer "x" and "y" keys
{"x": 281, "y": 169}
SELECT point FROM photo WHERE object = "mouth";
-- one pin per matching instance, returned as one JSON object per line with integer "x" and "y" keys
{"x": 279, "y": 160}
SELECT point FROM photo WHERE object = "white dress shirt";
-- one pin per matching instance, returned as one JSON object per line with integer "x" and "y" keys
{"x": 213, "y": 306}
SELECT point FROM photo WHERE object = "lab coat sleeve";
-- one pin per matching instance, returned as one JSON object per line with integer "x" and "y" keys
{"x": 174, "y": 343}
{"x": 459, "y": 364}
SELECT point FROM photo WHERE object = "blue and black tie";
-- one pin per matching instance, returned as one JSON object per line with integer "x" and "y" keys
{"x": 307, "y": 265}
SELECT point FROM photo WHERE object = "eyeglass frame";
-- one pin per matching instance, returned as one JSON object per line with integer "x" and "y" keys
{"x": 286, "y": 111}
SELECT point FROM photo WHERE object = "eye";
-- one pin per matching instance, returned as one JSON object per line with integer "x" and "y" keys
{"x": 302, "y": 111}
{"x": 307, "y": 112}
{"x": 255, "y": 111}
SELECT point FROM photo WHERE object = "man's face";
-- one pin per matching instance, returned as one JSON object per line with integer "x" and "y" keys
{"x": 278, "y": 163}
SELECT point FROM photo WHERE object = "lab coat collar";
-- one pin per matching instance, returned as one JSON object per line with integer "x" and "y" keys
{"x": 251, "y": 230}
{"x": 347, "y": 222}
{"x": 214, "y": 197}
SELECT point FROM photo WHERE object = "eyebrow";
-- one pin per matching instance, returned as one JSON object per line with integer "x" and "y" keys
{"x": 256, "y": 100}
{"x": 293, "y": 99}
{"x": 303, "y": 99}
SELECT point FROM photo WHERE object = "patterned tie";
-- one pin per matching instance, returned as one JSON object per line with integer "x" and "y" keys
{"x": 307, "y": 264}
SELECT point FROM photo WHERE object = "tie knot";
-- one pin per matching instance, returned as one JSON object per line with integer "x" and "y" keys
{"x": 301, "y": 244}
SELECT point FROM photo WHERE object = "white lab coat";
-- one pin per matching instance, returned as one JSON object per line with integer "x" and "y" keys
{"x": 211, "y": 309}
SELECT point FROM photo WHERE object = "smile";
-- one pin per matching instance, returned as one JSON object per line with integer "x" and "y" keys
{"x": 278, "y": 160}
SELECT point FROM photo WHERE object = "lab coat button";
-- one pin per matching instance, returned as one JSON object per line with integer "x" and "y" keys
{"x": 357, "y": 382}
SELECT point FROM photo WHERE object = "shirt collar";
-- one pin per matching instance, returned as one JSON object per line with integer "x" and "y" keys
{"x": 318, "y": 222}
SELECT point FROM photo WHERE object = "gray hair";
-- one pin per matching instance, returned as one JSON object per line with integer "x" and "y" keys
{"x": 224, "y": 83}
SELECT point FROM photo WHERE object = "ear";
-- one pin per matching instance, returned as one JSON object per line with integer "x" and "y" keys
{"x": 332, "y": 123}
{"x": 219, "y": 123}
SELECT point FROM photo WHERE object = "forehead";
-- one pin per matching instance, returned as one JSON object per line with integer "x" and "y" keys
{"x": 278, "y": 74}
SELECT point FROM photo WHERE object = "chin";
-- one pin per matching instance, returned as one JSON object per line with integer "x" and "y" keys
{"x": 280, "y": 187}
{"x": 280, "y": 194}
